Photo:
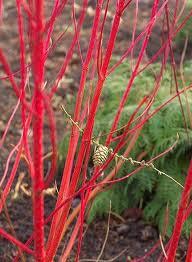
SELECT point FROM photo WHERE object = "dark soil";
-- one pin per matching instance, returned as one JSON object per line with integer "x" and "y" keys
{"x": 129, "y": 234}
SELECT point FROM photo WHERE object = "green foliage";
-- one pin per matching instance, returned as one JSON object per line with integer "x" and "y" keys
{"x": 101, "y": 205}
{"x": 155, "y": 192}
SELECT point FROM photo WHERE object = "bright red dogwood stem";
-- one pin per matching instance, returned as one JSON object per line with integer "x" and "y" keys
{"x": 38, "y": 183}
{"x": 180, "y": 217}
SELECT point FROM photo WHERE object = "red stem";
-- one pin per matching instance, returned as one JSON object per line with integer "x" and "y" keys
{"x": 10, "y": 75}
{"x": 70, "y": 51}
{"x": 11, "y": 176}
{"x": 15, "y": 241}
{"x": 38, "y": 182}
{"x": 180, "y": 217}
{"x": 52, "y": 127}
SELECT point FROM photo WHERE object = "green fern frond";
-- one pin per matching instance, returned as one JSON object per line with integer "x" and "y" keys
{"x": 158, "y": 134}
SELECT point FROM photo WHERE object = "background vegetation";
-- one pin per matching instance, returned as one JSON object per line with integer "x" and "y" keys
{"x": 157, "y": 195}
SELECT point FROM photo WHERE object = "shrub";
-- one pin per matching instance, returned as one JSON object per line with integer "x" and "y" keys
{"x": 38, "y": 42}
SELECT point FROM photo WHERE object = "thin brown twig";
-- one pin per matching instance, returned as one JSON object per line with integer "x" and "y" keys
{"x": 183, "y": 79}
{"x": 162, "y": 246}
{"x": 106, "y": 236}
{"x": 118, "y": 216}
{"x": 18, "y": 185}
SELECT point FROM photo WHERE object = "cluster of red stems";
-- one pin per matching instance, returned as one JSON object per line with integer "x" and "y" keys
{"x": 35, "y": 30}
